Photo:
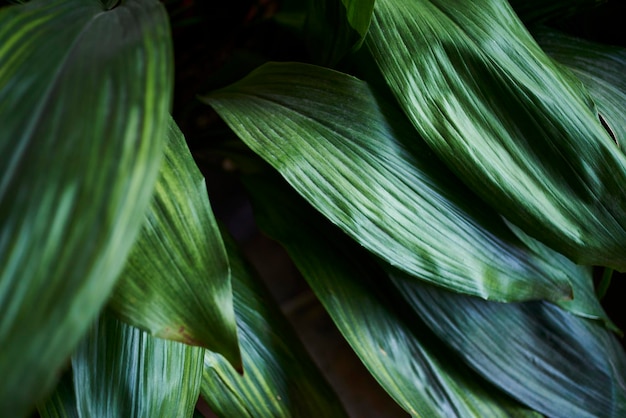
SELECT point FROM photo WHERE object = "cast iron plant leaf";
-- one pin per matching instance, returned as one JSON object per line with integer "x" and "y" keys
{"x": 84, "y": 96}
{"x": 524, "y": 135}
{"x": 279, "y": 377}
{"x": 120, "y": 371}
{"x": 408, "y": 361}
{"x": 556, "y": 363}
{"x": 362, "y": 165}
{"x": 601, "y": 69}
{"x": 176, "y": 284}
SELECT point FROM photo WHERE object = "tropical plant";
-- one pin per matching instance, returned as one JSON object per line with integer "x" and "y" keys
{"x": 444, "y": 174}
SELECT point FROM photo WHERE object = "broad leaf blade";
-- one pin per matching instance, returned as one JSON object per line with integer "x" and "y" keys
{"x": 326, "y": 133}
{"x": 521, "y": 133}
{"x": 176, "y": 284}
{"x": 84, "y": 94}
{"x": 409, "y": 362}
{"x": 601, "y": 68}
{"x": 121, "y": 371}
{"x": 279, "y": 378}
{"x": 558, "y": 364}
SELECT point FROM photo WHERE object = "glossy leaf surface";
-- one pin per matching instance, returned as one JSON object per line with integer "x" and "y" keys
{"x": 279, "y": 378}
{"x": 84, "y": 95}
{"x": 361, "y": 164}
{"x": 558, "y": 364}
{"x": 176, "y": 284}
{"x": 523, "y": 134}
{"x": 121, "y": 371}
{"x": 409, "y": 362}
{"x": 601, "y": 68}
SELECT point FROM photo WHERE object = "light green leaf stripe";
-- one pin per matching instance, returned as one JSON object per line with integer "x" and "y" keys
{"x": 601, "y": 68}
{"x": 121, "y": 371}
{"x": 556, "y": 363}
{"x": 408, "y": 361}
{"x": 523, "y": 134}
{"x": 361, "y": 164}
{"x": 176, "y": 284}
{"x": 84, "y": 94}
{"x": 279, "y": 378}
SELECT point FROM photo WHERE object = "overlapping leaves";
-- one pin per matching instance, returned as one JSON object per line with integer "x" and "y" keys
{"x": 279, "y": 379}
{"x": 601, "y": 68}
{"x": 366, "y": 170}
{"x": 176, "y": 283}
{"x": 541, "y": 341}
{"x": 84, "y": 93}
{"x": 121, "y": 371}
{"x": 523, "y": 134}
{"x": 416, "y": 369}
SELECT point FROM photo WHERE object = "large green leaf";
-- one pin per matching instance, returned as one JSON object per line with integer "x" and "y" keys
{"x": 557, "y": 363}
{"x": 353, "y": 160}
{"x": 520, "y": 132}
{"x": 84, "y": 94}
{"x": 601, "y": 68}
{"x": 409, "y": 362}
{"x": 279, "y": 378}
{"x": 176, "y": 284}
{"x": 121, "y": 371}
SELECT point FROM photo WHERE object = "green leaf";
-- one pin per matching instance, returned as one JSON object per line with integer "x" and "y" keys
{"x": 353, "y": 160}
{"x": 279, "y": 378}
{"x": 520, "y": 132}
{"x": 601, "y": 68}
{"x": 176, "y": 284}
{"x": 121, "y": 371}
{"x": 409, "y": 362}
{"x": 84, "y": 95}
{"x": 558, "y": 364}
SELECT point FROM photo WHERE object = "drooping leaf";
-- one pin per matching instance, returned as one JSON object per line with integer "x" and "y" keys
{"x": 601, "y": 68}
{"x": 409, "y": 362}
{"x": 362, "y": 165}
{"x": 121, "y": 371}
{"x": 176, "y": 284}
{"x": 279, "y": 378}
{"x": 558, "y": 364}
{"x": 84, "y": 94}
{"x": 523, "y": 134}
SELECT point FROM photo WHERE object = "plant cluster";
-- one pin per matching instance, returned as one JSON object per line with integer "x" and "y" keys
{"x": 445, "y": 174}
